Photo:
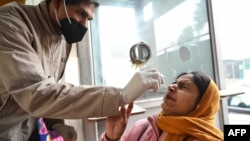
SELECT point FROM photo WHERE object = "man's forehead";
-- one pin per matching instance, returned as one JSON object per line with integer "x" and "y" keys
{"x": 87, "y": 8}
{"x": 76, "y": 2}
{"x": 94, "y": 2}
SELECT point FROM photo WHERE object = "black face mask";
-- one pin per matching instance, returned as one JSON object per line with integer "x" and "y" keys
{"x": 74, "y": 31}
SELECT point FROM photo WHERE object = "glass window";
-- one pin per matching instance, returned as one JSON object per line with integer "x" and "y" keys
{"x": 32, "y": 2}
{"x": 233, "y": 35}
{"x": 177, "y": 32}
{"x": 148, "y": 11}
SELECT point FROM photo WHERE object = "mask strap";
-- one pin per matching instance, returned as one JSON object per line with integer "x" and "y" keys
{"x": 64, "y": 3}
{"x": 57, "y": 18}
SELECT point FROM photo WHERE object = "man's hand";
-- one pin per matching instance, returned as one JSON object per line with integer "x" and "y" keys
{"x": 140, "y": 82}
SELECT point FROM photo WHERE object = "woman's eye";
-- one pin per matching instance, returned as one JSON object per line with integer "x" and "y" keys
{"x": 181, "y": 85}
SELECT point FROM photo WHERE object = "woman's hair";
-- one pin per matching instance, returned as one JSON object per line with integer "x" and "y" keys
{"x": 200, "y": 79}
{"x": 74, "y": 2}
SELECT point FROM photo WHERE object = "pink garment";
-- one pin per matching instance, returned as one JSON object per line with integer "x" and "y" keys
{"x": 45, "y": 134}
{"x": 143, "y": 130}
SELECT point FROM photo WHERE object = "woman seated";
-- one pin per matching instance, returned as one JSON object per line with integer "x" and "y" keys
{"x": 188, "y": 113}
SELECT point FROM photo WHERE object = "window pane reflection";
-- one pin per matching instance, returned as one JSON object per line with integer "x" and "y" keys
{"x": 232, "y": 24}
{"x": 178, "y": 34}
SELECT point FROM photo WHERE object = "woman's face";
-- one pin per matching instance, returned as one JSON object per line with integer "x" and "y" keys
{"x": 180, "y": 98}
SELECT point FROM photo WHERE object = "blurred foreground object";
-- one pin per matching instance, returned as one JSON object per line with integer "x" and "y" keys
{"x": 140, "y": 53}
{"x": 3, "y": 2}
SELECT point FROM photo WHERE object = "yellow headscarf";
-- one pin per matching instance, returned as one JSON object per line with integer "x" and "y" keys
{"x": 198, "y": 124}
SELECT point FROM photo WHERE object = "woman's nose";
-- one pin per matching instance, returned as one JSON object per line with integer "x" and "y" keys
{"x": 172, "y": 87}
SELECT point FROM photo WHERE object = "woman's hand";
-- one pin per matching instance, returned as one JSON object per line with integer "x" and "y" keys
{"x": 115, "y": 125}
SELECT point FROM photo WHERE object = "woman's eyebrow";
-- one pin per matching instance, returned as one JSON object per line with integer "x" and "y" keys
{"x": 184, "y": 83}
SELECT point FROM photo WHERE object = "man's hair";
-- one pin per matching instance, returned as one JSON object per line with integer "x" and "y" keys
{"x": 200, "y": 79}
{"x": 74, "y": 2}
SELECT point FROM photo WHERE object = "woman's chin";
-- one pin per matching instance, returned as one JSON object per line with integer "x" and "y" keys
{"x": 166, "y": 113}
{"x": 164, "y": 108}
{"x": 167, "y": 108}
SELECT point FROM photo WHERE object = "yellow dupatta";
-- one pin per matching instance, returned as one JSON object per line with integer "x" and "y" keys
{"x": 198, "y": 124}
